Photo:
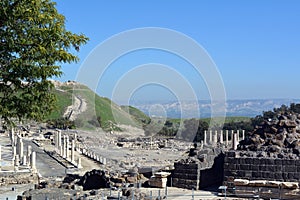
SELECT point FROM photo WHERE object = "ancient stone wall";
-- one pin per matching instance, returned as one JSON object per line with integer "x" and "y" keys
{"x": 253, "y": 168}
{"x": 186, "y": 175}
{"x": 204, "y": 168}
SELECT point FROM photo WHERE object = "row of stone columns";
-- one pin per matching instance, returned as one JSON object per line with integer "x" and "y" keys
{"x": 63, "y": 145}
{"x": 18, "y": 156}
{"x": 92, "y": 155}
{"x": 216, "y": 137}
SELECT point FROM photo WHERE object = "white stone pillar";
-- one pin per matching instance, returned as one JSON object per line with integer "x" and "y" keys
{"x": 215, "y": 138}
{"x": 234, "y": 141}
{"x": 67, "y": 148}
{"x": 104, "y": 161}
{"x": 24, "y": 160}
{"x": 59, "y": 143}
{"x": 205, "y": 137}
{"x": 79, "y": 166}
{"x": 238, "y": 135}
{"x": 221, "y": 137}
{"x": 12, "y": 135}
{"x": 29, "y": 150}
{"x": 226, "y": 138}
{"x": 17, "y": 160}
{"x": 64, "y": 147}
{"x": 210, "y": 137}
{"x": 73, "y": 151}
{"x": 59, "y": 139}
{"x": 21, "y": 148}
{"x": 33, "y": 161}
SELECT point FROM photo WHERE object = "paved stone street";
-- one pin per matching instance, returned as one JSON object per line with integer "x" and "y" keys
{"x": 46, "y": 166}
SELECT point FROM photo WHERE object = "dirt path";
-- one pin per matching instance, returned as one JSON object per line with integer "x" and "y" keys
{"x": 79, "y": 105}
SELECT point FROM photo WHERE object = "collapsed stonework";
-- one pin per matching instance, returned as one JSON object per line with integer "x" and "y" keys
{"x": 277, "y": 138}
{"x": 94, "y": 179}
{"x": 268, "y": 159}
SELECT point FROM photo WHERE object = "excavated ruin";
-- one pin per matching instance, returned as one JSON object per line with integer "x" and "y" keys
{"x": 276, "y": 138}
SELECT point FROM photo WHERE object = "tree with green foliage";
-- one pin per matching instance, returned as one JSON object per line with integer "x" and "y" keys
{"x": 33, "y": 44}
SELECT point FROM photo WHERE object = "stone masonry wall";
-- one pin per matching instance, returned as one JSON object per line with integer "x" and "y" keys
{"x": 186, "y": 175}
{"x": 253, "y": 168}
{"x": 203, "y": 168}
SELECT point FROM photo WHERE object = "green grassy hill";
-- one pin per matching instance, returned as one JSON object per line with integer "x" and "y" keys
{"x": 100, "y": 111}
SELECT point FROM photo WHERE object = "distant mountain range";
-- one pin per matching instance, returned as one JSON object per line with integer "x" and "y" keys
{"x": 247, "y": 108}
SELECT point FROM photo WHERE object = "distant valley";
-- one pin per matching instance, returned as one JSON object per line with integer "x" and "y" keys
{"x": 247, "y": 107}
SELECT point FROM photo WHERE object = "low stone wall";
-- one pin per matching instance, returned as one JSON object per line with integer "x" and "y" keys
{"x": 254, "y": 168}
{"x": 17, "y": 178}
{"x": 186, "y": 175}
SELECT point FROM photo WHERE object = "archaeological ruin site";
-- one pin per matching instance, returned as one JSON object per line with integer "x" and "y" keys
{"x": 71, "y": 164}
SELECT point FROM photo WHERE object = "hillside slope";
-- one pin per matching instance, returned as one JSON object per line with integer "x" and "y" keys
{"x": 80, "y": 104}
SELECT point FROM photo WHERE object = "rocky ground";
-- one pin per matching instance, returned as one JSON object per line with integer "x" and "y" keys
{"x": 126, "y": 150}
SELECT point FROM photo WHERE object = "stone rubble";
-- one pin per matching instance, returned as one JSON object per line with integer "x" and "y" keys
{"x": 277, "y": 138}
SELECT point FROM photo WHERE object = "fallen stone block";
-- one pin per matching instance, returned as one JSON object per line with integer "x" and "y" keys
{"x": 158, "y": 182}
{"x": 241, "y": 182}
{"x": 258, "y": 183}
{"x": 290, "y": 185}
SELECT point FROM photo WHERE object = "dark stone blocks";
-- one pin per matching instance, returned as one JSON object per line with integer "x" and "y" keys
{"x": 262, "y": 168}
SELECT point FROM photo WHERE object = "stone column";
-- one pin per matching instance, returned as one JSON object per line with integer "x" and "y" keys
{"x": 104, "y": 161}
{"x": 243, "y": 134}
{"x": 64, "y": 147}
{"x": 20, "y": 148}
{"x": 16, "y": 163}
{"x": 33, "y": 161}
{"x": 79, "y": 166}
{"x": 221, "y": 137}
{"x": 24, "y": 160}
{"x": 238, "y": 135}
{"x": 29, "y": 151}
{"x": 205, "y": 137}
{"x": 58, "y": 141}
{"x": 226, "y": 138}
{"x": 210, "y": 137}
{"x": 12, "y": 136}
{"x": 73, "y": 151}
{"x": 17, "y": 160}
{"x": 215, "y": 138}
{"x": 234, "y": 141}
{"x": 67, "y": 148}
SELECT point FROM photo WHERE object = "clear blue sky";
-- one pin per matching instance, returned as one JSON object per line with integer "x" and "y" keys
{"x": 255, "y": 44}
